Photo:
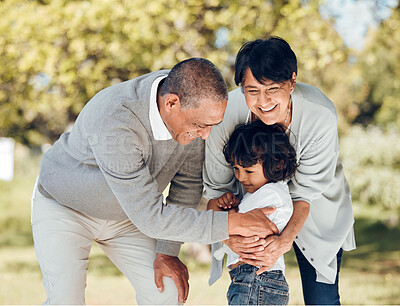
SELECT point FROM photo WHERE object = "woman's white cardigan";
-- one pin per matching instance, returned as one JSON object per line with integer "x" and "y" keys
{"x": 319, "y": 179}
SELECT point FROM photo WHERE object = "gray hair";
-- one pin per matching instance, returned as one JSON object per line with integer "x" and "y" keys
{"x": 195, "y": 80}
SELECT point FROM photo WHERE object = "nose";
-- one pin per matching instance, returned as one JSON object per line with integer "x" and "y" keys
{"x": 240, "y": 176}
{"x": 204, "y": 133}
{"x": 263, "y": 98}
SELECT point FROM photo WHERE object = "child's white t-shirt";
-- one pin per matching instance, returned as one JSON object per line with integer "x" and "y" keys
{"x": 270, "y": 195}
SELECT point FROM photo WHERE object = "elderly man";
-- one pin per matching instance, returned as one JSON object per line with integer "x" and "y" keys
{"x": 103, "y": 182}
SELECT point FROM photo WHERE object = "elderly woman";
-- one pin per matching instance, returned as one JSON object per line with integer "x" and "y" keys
{"x": 321, "y": 226}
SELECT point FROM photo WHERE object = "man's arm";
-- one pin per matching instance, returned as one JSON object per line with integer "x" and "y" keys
{"x": 252, "y": 223}
{"x": 185, "y": 190}
{"x": 127, "y": 174}
{"x": 129, "y": 178}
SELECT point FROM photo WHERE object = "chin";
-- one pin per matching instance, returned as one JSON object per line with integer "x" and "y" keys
{"x": 184, "y": 141}
{"x": 250, "y": 190}
{"x": 267, "y": 121}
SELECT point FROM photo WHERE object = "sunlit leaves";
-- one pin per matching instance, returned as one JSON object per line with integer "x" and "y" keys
{"x": 372, "y": 169}
{"x": 81, "y": 47}
{"x": 380, "y": 65}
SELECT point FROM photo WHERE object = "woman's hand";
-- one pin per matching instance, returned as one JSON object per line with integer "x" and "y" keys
{"x": 274, "y": 248}
{"x": 245, "y": 245}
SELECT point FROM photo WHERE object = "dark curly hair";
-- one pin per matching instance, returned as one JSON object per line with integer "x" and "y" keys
{"x": 269, "y": 144}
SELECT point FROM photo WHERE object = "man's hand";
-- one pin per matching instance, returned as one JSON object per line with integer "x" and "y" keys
{"x": 252, "y": 223}
{"x": 266, "y": 258}
{"x": 275, "y": 246}
{"x": 171, "y": 266}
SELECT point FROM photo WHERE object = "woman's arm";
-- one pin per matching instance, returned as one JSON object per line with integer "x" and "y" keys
{"x": 276, "y": 246}
{"x": 218, "y": 174}
{"x": 317, "y": 148}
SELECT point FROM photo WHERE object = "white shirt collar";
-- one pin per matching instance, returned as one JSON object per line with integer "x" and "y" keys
{"x": 160, "y": 131}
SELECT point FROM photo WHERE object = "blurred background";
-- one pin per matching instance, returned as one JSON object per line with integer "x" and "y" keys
{"x": 56, "y": 54}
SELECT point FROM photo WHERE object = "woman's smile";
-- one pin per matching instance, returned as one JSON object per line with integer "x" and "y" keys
{"x": 267, "y": 109}
{"x": 268, "y": 101}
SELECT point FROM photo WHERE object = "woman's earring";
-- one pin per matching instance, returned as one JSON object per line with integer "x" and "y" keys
{"x": 294, "y": 85}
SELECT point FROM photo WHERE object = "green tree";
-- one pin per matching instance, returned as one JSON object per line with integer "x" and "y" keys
{"x": 55, "y": 55}
{"x": 373, "y": 170}
{"x": 380, "y": 66}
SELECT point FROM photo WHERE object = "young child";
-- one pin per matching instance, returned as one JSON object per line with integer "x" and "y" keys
{"x": 263, "y": 160}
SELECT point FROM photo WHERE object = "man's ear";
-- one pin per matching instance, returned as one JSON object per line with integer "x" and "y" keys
{"x": 172, "y": 103}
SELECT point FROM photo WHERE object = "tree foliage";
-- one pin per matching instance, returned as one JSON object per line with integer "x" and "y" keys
{"x": 380, "y": 67}
{"x": 55, "y": 55}
{"x": 373, "y": 170}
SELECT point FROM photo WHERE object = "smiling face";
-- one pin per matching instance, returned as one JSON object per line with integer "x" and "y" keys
{"x": 252, "y": 178}
{"x": 268, "y": 101}
{"x": 188, "y": 124}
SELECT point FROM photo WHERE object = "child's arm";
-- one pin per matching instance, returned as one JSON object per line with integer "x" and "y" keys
{"x": 270, "y": 195}
{"x": 225, "y": 202}
{"x": 281, "y": 200}
{"x": 281, "y": 216}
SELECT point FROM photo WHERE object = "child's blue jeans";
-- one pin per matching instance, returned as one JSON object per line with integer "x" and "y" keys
{"x": 247, "y": 288}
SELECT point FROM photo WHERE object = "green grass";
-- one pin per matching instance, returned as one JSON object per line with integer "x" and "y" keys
{"x": 21, "y": 281}
{"x": 369, "y": 275}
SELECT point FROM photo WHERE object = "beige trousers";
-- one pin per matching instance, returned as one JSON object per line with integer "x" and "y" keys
{"x": 63, "y": 238}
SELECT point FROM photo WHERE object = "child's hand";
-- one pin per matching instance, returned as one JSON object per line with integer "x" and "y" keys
{"x": 213, "y": 205}
{"x": 227, "y": 201}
